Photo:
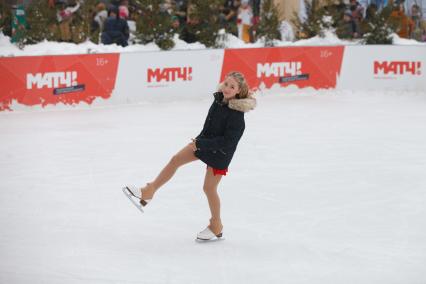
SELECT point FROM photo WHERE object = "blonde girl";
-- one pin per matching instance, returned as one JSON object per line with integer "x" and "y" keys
{"x": 215, "y": 146}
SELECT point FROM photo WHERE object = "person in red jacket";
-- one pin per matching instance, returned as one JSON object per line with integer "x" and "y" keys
{"x": 215, "y": 146}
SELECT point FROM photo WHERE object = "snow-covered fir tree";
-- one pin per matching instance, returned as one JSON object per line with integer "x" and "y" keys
{"x": 82, "y": 20}
{"x": 155, "y": 24}
{"x": 204, "y": 18}
{"x": 41, "y": 19}
{"x": 377, "y": 29}
{"x": 5, "y": 19}
{"x": 318, "y": 20}
{"x": 268, "y": 28}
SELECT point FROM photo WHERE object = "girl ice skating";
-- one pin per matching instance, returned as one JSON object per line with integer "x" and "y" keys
{"x": 215, "y": 146}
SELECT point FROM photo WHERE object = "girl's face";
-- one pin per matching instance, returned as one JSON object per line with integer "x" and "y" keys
{"x": 230, "y": 88}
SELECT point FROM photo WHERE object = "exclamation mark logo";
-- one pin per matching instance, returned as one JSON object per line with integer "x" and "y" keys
{"x": 419, "y": 65}
{"x": 74, "y": 78}
{"x": 189, "y": 76}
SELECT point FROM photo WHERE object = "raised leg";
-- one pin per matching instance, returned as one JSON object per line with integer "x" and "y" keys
{"x": 184, "y": 156}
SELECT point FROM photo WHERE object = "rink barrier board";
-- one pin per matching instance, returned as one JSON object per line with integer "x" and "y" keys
{"x": 105, "y": 79}
{"x": 383, "y": 68}
{"x": 49, "y": 80}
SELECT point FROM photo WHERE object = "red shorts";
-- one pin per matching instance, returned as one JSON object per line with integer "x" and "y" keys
{"x": 219, "y": 172}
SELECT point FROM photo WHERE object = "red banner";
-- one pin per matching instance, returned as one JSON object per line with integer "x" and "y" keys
{"x": 316, "y": 67}
{"x": 68, "y": 79}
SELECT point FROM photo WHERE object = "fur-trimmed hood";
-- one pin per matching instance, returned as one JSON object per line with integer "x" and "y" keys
{"x": 242, "y": 105}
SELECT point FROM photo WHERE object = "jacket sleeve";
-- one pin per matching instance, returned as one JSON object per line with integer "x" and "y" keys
{"x": 126, "y": 31}
{"x": 233, "y": 132}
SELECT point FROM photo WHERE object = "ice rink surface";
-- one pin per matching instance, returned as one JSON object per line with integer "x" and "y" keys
{"x": 324, "y": 188}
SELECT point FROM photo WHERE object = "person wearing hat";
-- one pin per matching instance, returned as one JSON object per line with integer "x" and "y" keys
{"x": 348, "y": 29}
{"x": 244, "y": 20}
{"x": 116, "y": 30}
{"x": 123, "y": 9}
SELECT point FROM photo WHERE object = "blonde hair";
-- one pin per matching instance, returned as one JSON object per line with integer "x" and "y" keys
{"x": 242, "y": 84}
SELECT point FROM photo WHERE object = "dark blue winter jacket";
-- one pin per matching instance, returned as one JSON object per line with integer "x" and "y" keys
{"x": 116, "y": 30}
{"x": 223, "y": 128}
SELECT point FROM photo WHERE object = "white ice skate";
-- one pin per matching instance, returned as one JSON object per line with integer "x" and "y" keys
{"x": 207, "y": 235}
{"x": 135, "y": 196}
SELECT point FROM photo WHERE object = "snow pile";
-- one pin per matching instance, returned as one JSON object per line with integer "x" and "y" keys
{"x": 403, "y": 41}
{"x": 229, "y": 41}
{"x": 7, "y": 48}
{"x": 329, "y": 38}
{"x": 183, "y": 45}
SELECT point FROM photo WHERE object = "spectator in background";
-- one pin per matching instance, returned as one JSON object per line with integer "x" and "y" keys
{"x": 100, "y": 16}
{"x": 180, "y": 11}
{"x": 405, "y": 25}
{"x": 256, "y": 13}
{"x": 176, "y": 24}
{"x": 348, "y": 29}
{"x": 229, "y": 15}
{"x": 256, "y": 7}
{"x": 245, "y": 21}
{"x": 191, "y": 21}
{"x": 169, "y": 6}
{"x": 364, "y": 5}
{"x": 423, "y": 38}
{"x": 357, "y": 11}
{"x": 64, "y": 15}
{"x": 123, "y": 9}
{"x": 116, "y": 29}
{"x": 418, "y": 23}
{"x": 231, "y": 10}
{"x": 416, "y": 13}
{"x": 371, "y": 12}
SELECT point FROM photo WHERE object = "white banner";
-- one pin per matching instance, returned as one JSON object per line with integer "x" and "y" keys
{"x": 166, "y": 75}
{"x": 383, "y": 67}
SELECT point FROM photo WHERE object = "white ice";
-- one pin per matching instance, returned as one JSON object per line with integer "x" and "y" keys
{"x": 324, "y": 188}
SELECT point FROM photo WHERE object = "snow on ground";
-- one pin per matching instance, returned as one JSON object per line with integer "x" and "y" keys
{"x": 324, "y": 188}
{"x": 60, "y": 48}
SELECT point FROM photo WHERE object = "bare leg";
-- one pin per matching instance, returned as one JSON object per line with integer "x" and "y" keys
{"x": 210, "y": 189}
{"x": 184, "y": 156}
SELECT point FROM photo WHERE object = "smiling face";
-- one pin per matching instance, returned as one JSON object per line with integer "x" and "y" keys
{"x": 230, "y": 88}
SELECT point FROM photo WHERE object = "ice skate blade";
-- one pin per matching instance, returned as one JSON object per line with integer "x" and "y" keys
{"x": 135, "y": 201}
{"x": 143, "y": 202}
{"x": 215, "y": 239}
